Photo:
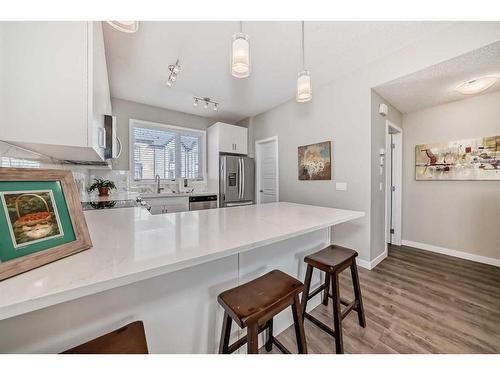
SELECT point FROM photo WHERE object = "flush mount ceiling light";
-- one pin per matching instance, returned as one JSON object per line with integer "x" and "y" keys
{"x": 207, "y": 102}
{"x": 240, "y": 56}
{"x": 174, "y": 72}
{"x": 304, "y": 88}
{"x": 125, "y": 26}
{"x": 476, "y": 85}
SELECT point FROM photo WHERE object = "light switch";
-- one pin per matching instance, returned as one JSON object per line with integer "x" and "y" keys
{"x": 341, "y": 186}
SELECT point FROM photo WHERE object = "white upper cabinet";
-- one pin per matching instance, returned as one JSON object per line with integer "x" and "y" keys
{"x": 229, "y": 138}
{"x": 54, "y": 88}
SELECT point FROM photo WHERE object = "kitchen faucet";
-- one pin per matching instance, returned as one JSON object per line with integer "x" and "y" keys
{"x": 158, "y": 188}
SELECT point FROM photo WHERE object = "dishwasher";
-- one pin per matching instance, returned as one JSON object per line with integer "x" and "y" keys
{"x": 202, "y": 202}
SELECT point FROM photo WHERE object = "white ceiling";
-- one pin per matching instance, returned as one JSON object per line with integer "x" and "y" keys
{"x": 137, "y": 63}
{"x": 436, "y": 85}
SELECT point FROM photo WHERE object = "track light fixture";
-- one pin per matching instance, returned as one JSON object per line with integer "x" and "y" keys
{"x": 174, "y": 72}
{"x": 207, "y": 102}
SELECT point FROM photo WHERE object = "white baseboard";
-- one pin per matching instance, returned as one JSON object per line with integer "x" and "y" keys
{"x": 371, "y": 264}
{"x": 363, "y": 263}
{"x": 453, "y": 253}
{"x": 378, "y": 259}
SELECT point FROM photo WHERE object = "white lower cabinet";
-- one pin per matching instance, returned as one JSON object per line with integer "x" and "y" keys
{"x": 167, "y": 205}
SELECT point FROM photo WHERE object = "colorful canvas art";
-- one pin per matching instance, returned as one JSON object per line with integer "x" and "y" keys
{"x": 470, "y": 159}
{"x": 315, "y": 161}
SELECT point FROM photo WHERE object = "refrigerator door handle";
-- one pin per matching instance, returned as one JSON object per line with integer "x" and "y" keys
{"x": 223, "y": 175}
{"x": 239, "y": 178}
{"x": 242, "y": 178}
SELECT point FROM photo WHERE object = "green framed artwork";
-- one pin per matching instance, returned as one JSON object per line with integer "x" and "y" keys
{"x": 41, "y": 219}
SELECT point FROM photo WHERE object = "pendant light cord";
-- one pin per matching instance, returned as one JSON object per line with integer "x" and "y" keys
{"x": 241, "y": 26}
{"x": 303, "y": 53}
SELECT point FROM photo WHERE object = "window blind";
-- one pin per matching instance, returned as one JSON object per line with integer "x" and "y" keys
{"x": 168, "y": 152}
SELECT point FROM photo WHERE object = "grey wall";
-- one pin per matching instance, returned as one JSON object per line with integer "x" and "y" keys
{"x": 125, "y": 110}
{"x": 457, "y": 215}
{"x": 341, "y": 112}
{"x": 378, "y": 197}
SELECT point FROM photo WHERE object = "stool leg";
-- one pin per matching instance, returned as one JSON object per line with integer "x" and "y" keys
{"x": 225, "y": 334}
{"x": 298, "y": 323}
{"x": 357, "y": 294}
{"x": 326, "y": 291}
{"x": 337, "y": 314}
{"x": 269, "y": 340}
{"x": 253, "y": 339}
{"x": 307, "y": 287}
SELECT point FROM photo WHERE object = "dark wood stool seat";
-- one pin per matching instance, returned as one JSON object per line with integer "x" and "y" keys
{"x": 129, "y": 339}
{"x": 333, "y": 260}
{"x": 253, "y": 306}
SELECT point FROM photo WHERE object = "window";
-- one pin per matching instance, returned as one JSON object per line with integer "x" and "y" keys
{"x": 168, "y": 151}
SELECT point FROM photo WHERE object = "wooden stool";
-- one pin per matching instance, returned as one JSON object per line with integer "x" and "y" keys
{"x": 254, "y": 304}
{"x": 333, "y": 260}
{"x": 129, "y": 339}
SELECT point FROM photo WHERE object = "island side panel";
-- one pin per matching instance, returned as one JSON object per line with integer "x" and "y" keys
{"x": 287, "y": 256}
{"x": 179, "y": 310}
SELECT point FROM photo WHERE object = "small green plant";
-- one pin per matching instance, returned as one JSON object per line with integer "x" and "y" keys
{"x": 103, "y": 186}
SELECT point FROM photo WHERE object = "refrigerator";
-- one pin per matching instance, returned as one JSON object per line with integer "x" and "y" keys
{"x": 237, "y": 181}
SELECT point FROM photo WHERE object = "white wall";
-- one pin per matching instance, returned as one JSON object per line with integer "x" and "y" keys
{"x": 341, "y": 112}
{"x": 457, "y": 215}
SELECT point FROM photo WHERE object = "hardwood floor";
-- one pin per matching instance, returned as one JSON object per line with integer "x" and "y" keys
{"x": 416, "y": 302}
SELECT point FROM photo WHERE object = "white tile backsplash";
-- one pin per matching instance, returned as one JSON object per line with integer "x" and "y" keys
{"x": 15, "y": 157}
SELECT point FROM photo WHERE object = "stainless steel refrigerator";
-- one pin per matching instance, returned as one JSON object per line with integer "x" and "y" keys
{"x": 237, "y": 181}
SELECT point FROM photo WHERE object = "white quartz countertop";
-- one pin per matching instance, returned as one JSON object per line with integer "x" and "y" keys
{"x": 130, "y": 244}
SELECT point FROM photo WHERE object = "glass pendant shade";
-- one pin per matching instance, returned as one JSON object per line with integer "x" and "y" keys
{"x": 125, "y": 26}
{"x": 304, "y": 89}
{"x": 240, "y": 57}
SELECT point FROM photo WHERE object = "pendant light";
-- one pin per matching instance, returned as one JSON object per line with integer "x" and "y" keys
{"x": 304, "y": 89}
{"x": 240, "y": 56}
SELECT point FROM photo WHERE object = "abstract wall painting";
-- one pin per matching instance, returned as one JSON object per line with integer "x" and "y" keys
{"x": 469, "y": 159}
{"x": 314, "y": 161}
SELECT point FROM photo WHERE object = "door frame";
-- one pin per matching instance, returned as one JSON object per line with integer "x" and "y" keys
{"x": 258, "y": 157}
{"x": 398, "y": 183}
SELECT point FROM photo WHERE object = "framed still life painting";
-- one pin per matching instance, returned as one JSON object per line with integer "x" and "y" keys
{"x": 315, "y": 161}
{"x": 41, "y": 219}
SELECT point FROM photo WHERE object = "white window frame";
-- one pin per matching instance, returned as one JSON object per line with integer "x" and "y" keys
{"x": 159, "y": 126}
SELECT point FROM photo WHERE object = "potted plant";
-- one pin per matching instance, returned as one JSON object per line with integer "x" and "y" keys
{"x": 103, "y": 186}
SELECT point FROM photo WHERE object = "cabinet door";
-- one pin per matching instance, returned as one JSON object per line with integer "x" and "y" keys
{"x": 100, "y": 100}
{"x": 241, "y": 140}
{"x": 43, "y": 79}
{"x": 168, "y": 204}
{"x": 177, "y": 204}
{"x": 227, "y": 138}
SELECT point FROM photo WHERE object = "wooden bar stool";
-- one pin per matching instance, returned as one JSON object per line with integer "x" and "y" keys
{"x": 333, "y": 260}
{"x": 130, "y": 339}
{"x": 253, "y": 305}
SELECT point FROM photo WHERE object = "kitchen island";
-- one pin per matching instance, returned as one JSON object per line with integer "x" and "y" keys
{"x": 165, "y": 270}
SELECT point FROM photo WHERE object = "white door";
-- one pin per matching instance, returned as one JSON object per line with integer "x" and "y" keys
{"x": 394, "y": 183}
{"x": 266, "y": 154}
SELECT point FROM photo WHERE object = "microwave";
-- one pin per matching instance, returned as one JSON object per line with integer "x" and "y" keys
{"x": 112, "y": 143}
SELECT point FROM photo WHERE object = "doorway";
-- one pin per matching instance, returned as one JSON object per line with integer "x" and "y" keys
{"x": 267, "y": 170}
{"x": 393, "y": 185}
